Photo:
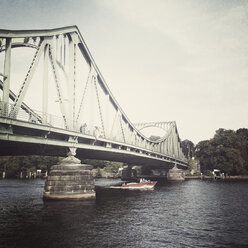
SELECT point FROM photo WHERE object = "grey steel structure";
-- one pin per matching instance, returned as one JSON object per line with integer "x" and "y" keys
{"x": 110, "y": 134}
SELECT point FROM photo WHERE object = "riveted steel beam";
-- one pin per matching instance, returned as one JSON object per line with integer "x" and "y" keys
{"x": 27, "y": 80}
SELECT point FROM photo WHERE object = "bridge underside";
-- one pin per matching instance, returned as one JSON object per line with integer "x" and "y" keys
{"x": 8, "y": 148}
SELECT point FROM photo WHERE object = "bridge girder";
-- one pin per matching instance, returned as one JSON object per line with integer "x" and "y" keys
{"x": 62, "y": 51}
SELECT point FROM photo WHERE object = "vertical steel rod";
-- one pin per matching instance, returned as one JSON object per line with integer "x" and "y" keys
{"x": 6, "y": 79}
{"x": 45, "y": 85}
{"x": 71, "y": 88}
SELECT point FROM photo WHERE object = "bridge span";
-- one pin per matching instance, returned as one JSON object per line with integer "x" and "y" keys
{"x": 55, "y": 101}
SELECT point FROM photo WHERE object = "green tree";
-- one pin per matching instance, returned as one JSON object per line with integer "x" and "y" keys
{"x": 203, "y": 152}
{"x": 223, "y": 152}
{"x": 188, "y": 148}
{"x": 243, "y": 135}
{"x": 113, "y": 167}
{"x": 14, "y": 165}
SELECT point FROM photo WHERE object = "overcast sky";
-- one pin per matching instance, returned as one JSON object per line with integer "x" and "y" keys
{"x": 163, "y": 60}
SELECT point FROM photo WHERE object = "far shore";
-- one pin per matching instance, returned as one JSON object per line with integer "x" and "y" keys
{"x": 187, "y": 177}
{"x": 209, "y": 177}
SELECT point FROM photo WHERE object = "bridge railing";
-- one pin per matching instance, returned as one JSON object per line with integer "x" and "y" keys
{"x": 32, "y": 116}
{"x": 27, "y": 114}
{"x": 38, "y": 117}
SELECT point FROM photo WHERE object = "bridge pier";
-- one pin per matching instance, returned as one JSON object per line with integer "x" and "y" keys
{"x": 70, "y": 180}
{"x": 175, "y": 174}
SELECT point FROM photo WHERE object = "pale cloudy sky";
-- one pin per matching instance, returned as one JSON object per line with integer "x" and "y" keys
{"x": 163, "y": 59}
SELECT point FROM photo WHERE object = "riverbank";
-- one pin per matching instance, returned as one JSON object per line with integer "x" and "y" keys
{"x": 225, "y": 178}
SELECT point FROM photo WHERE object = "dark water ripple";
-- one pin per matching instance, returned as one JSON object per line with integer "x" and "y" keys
{"x": 186, "y": 214}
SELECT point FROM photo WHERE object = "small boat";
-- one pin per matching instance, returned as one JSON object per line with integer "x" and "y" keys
{"x": 142, "y": 184}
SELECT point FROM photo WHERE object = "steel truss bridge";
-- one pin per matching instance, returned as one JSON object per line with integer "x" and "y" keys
{"x": 54, "y": 100}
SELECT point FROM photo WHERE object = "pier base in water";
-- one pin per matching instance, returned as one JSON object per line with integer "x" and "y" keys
{"x": 175, "y": 174}
{"x": 70, "y": 180}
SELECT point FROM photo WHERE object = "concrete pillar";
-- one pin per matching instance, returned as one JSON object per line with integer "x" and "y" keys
{"x": 21, "y": 175}
{"x": 29, "y": 175}
{"x": 70, "y": 180}
{"x": 175, "y": 174}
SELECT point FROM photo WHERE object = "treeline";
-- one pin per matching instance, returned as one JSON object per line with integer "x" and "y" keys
{"x": 14, "y": 166}
{"x": 226, "y": 151}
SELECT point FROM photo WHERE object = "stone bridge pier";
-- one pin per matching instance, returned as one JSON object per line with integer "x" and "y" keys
{"x": 173, "y": 174}
{"x": 70, "y": 180}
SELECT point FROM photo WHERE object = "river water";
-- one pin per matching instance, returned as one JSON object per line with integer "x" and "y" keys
{"x": 192, "y": 213}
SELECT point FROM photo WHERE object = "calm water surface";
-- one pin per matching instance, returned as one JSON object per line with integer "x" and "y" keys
{"x": 193, "y": 213}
